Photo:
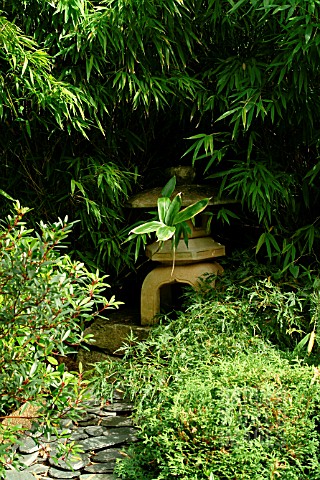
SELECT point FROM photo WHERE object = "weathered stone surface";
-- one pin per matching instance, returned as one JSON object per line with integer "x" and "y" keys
{"x": 96, "y": 431}
{"x": 118, "y": 407}
{"x": 110, "y": 336}
{"x": 38, "y": 469}
{"x": 57, "y": 473}
{"x": 89, "y": 358}
{"x": 98, "y": 476}
{"x": 102, "y": 413}
{"x": 29, "y": 445}
{"x": 98, "y": 443}
{"x": 89, "y": 420}
{"x": 100, "y": 468}
{"x": 66, "y": 423}
{"x": 108, "y": 455}
{"x": 116, "y": 421}
{"x": 28, "y": 459}
{"x": 74, "y": 462}
{"x": 13, "y": 475}
{"x": 190, "y": 194}
{"x": 120, "y": 435}
{"x": 99, "y": 459}
{"x": 162, "y": 276}
{"x": 78, "y": 434}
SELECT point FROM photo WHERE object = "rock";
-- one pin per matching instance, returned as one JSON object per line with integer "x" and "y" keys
{"x": 89, "y": 420}
{"x": 29, "y": 445}
{"x": 96, "y": 431}
{"x": 116, "y": 422}
{"x": 98, "y": 443}
{"x": 108, "y": 455}
{"x": 78, "y": 434}
{"x": 100, "y": 468}
{"x": 109, "y": 336}
{"x": 120, "y": 435}
{"x": 98, "y": 476}
{"x": 89, "y": 358}
{"x": 29, "y": 459}
{"x": 38, "y": 469}
{"x": 56, "y": 473}
{"x": 14, "y": 475}
{"x": 73, "y": 462}
{"x": 119, "y": 407}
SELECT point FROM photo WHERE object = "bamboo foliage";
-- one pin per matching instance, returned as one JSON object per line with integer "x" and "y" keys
{"x": 109, "y": 78}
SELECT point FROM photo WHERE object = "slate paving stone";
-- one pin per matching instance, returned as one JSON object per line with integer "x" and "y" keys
{"x": 98, "y": 476}
{"x": 38, "y": 469}
{"x": 99, "y": 468}
{"x": 123, "y": 434}
{"x": 29, "y": 445}
{"x": 29, "y": 459}
{"x": 118, "y": 407}
{"x": 98, "y": 443}
{"x": 57, "y": 473}
{"x": 78, "y": 434}
{"x": 108, "y": 455}
{"x": 89, "y": 420}
{"x": 74, "y": 462}
{"x": 24, "y": 476}
{"x": 116, "y": 422}
{"x": 102, "y": 413}
{"x": 98, "y": 432}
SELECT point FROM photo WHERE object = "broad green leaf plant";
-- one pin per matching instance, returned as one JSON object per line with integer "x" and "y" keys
{"x": 171, "y": 220}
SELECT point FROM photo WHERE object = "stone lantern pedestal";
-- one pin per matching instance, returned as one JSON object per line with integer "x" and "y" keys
{"x": 185, "y": 264}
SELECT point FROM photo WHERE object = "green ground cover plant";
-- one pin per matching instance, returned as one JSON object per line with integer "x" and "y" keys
{"x": 226, "y": 390}
{"x": 45, "y": 300}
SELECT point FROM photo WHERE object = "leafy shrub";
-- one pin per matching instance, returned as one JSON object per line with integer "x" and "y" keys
{"x": 214, "y": 398}
{"x": 45, "y": 298}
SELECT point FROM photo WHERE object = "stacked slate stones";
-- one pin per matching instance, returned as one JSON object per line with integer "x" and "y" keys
{"x": 102, "y": 434}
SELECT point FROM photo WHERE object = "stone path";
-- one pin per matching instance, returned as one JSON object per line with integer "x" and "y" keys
{"x": 102, "y": 433}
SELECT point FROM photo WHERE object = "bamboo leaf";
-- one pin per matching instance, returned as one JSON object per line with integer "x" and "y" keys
{"x": 165, "y": 233}
{"x": 191, "y": 211}
{"x": 148, "y": 227}
{"x": 173, "y": 210}
{"x": 168, "y": 189}
{"x": 164, "y": 204}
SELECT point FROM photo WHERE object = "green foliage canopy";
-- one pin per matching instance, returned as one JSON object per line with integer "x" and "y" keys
{"x": 122, "y": 77}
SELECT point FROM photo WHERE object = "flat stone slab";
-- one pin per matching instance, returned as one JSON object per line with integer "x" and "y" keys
{"x": 101, "y": 445}
{"x": 100, "y": 468}
{"x": 96, "y": 431}
{"x": 29, "y": 445}
{"x": 57, "y": 473}
{"x": 75, "y": 462}
{"x": 22, "y": 476}
{"x": 119, "y": 407}
{"x": 116, "y": 422}
{"x": 28, "y": 459}
{"x": 98, "y": 476}
{"x": 98, "y": 443}
{"x": 108, "y": 455}
{"x": 38, "y": 469}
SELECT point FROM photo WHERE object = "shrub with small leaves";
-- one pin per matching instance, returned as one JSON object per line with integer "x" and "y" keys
{"x": 45, "y": 299}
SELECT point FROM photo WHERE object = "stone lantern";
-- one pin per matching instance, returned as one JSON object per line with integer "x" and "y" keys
{"x": 187, "y": 263}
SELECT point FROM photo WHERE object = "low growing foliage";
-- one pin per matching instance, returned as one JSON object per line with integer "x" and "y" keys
{"x": 45, "y": 299}
{"x": 220, "y": 391}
